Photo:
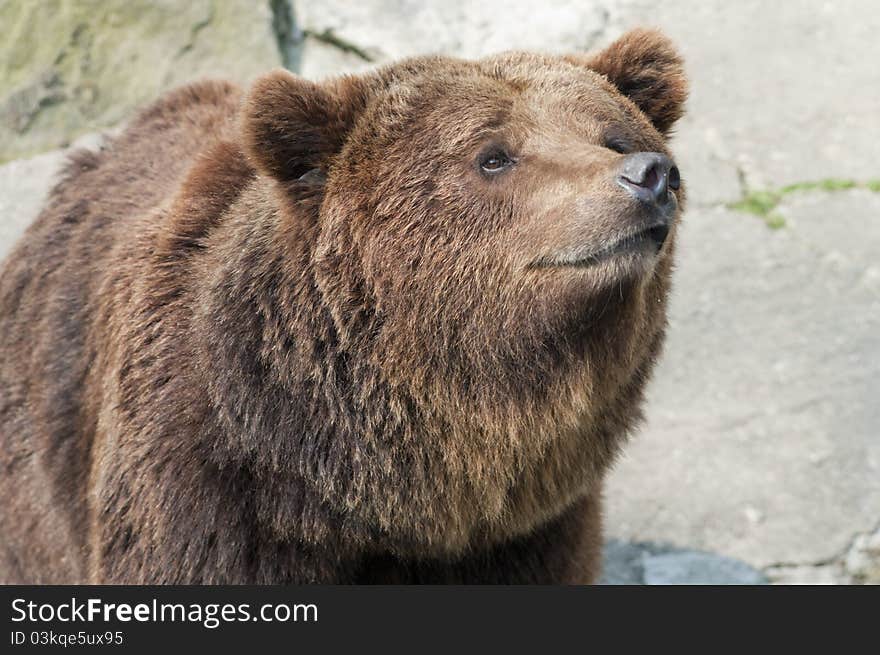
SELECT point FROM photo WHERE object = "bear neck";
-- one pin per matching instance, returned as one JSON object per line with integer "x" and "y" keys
{"x": 317, "y": 423}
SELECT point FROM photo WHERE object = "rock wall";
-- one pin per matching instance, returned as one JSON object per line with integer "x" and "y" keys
{"x": 71, "y": 66}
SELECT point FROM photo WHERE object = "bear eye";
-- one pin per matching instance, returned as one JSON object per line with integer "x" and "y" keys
{"x": 617, "y": 145}
{"x": 495, "y": 161}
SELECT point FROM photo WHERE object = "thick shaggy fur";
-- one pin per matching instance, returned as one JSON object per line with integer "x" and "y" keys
{"x": 299, "y": 336}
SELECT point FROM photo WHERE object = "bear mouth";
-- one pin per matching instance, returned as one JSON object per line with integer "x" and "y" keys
{"x": 648, "y": 240}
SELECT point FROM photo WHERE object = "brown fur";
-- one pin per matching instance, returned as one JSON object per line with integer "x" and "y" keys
{"x": 300, "y": 337}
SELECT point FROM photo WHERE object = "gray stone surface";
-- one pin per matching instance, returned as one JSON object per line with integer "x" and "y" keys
{"x": 629, "y": 563}
{"x": 762, "y": 439}
{"x": 691, "y": 567}
{"x": 862, "y": 561}
{"x": 782, "y": 92}
{"x": 622, "y": 563}
{"x": 391, "y": 29}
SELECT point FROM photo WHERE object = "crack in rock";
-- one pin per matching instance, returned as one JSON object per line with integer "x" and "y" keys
{"x": 288, "y": 36}
{"x": 857, "y": 563}
{"x": 645, "y": 562}
{"x": 329, "y": 37}
{"x": 22, "y": 107}
{"x": 194, "y": 33}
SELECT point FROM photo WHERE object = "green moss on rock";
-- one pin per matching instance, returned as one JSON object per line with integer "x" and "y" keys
{"x": 763, "y": 203}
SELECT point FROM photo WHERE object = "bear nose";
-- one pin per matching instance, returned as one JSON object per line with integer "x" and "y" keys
{"x": 649, "y": 176}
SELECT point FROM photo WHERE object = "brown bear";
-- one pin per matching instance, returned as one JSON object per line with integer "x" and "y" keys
{"x": 383, "y": 328}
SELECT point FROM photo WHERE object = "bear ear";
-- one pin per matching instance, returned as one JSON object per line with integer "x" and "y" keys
{"x": 292, "y": 127}
{"x": 645, "y": 66}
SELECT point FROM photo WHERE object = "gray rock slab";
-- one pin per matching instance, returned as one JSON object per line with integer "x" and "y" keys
{"x": 761, "y": 440}
{"x": 692, "y": 568}
{"x": 862, "y": 561}
{"x": 631, "y": 563}
{"x": 622, "y": 563}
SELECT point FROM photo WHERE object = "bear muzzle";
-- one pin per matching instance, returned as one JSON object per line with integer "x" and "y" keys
{"x": 651, "y": 178}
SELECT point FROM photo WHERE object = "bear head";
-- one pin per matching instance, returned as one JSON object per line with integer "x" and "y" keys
{"x": 493, "y": 240}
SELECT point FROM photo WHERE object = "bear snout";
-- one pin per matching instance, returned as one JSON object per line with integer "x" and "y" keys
{"x": 650, "y": 177}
